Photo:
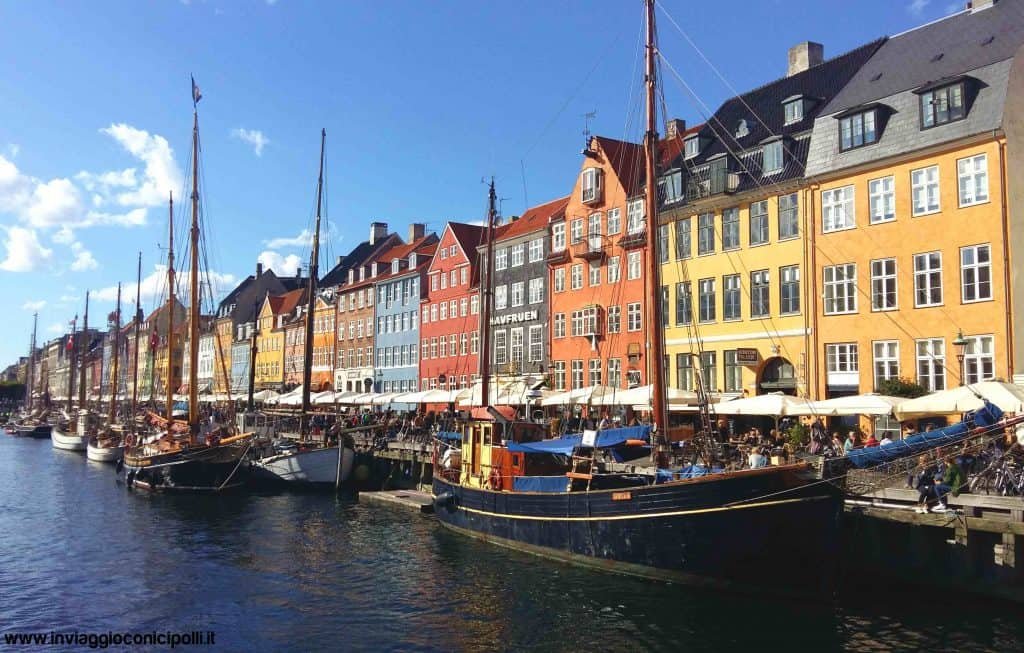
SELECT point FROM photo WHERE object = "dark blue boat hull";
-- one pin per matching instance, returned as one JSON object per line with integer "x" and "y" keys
{"x": 762, "y": 531}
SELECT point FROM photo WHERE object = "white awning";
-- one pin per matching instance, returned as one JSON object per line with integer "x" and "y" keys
{"x": 1007, "y": 396}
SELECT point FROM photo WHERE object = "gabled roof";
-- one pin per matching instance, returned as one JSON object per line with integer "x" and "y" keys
{"x": 966, "y": 41}
{"x": 425, "y": 245}
{"x": 290, "y": 300}
{"x": 762, "y": 108}
{"x": 360, "y": 254}
{"x": 468, "y": 236}
{"x": 627, "y": 160}
{"x": 533, "y": 219}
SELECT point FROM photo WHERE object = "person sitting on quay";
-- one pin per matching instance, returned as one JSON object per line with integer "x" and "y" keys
{"x": 885, "y": 440}
{"x": 952, "y": 482}
{"x": 924, "y": 482}
{"x": 850, "y": 443}
{"x": 871, "y": 441}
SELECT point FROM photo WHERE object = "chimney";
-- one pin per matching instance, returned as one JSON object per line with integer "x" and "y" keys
{"x": 378, "y": 231}
{"x": 674, "y": 127}
{"x": 298, "y": 273}
{"x": 416, "y": 230}
{"x": 259, "y": 270}
{"x": 805, "y": 55}
{"x": 340, "y": 259}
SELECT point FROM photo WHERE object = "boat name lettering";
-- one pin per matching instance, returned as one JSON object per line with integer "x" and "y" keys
{"x": 622, "y": 496}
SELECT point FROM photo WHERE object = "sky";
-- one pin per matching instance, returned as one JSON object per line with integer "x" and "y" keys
{"x": 421, "y": 101}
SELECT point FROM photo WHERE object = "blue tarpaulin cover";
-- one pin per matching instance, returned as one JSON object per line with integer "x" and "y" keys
{"x": 987, "y": 415}
{"x": 540, "y": 483}
{"x": 564, "y": 445}
{"x": 450, "y": 436}
{"x": 689, "y": 471}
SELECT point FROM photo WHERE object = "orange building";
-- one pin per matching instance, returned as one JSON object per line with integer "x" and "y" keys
{"x": 597, "y": 265}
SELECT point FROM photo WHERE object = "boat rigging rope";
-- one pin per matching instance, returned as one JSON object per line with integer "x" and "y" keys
{"x": 237, "y": 465}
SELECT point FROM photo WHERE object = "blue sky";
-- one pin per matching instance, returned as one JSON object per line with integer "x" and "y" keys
{"x": 420, "y": 100}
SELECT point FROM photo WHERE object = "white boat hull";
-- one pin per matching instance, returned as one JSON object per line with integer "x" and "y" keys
{"x": 313, "y": 466}
{"x": 68, "y": 441}
{"x": 104, "y": 454}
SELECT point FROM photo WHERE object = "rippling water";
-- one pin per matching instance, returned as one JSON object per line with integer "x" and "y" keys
{"x": 312, "y": 572}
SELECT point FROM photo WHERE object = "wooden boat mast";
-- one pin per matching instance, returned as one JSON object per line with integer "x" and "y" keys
{"x": 82, "y": 359}
{"x": 193, "y": 318}
{"x": 314, "y": 270}
{"x": 485, "y": 309}
{"x": 655, "y": 330}
{"x": 29, "y": 380}
{"x": 71, "y": 363}
{"x": 138, "y": 319}
{"x": 115, "y": 354}
{"x": 170, "y": 308}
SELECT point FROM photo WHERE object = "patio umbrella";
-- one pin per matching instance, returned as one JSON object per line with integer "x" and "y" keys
{"x": 771, "y": 405}
{"x": 1007, "y": 396}
{"x": 863, "y": 404}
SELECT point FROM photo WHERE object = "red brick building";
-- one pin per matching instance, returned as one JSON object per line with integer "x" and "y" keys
{"x": 450, "y": 315}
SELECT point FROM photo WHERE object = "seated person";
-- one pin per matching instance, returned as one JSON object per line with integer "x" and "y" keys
{"x": 756, "y": 459}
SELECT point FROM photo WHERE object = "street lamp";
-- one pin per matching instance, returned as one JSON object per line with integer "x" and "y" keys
{"x": 960, "y": 343}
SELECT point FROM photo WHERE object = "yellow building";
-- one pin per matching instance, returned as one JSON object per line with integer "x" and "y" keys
{"x": 909, "y": 242}
{"x": 732, "y": 234}
{"x": 269, "y": 347}
{"x": 223, "y": 338}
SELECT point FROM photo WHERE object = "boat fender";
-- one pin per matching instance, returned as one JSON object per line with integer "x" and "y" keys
{"x": 495, "y": 479}
{"x": 444, "y": 500}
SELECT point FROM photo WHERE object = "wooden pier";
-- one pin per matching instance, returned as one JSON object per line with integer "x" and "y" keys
{"x": 976, "y": 546}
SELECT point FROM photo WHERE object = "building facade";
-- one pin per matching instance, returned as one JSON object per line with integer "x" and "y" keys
{"x": 450, "y": 312}
{"x": 912, "y": 233}
{"x": 597, "y": 268}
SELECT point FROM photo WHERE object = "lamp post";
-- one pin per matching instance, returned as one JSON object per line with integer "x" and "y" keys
{"x": 960, "y": 343}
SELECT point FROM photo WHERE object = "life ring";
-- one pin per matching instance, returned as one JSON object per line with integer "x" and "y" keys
{"x": 495, "y": 479}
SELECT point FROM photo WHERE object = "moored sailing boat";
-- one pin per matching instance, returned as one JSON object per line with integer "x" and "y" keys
{"x": 31, "y": 425}
{"x": 314, "y": 464}
{"x": 107, "y": 445}
{"x": 67, "y": 435}
{"x": 715, "y": 527}
{"x": 177, "y": 461}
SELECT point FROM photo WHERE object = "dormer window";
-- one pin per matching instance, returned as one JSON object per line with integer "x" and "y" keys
{"x": 772, "y": 158}
{"x": 351, "y": 276}
{"x": 591, "y": 186}
{"x": 794, "y": 110}
{"x": 691, "y": 147}
{"x": 858, "y": 129}
{"x": 942, "y": 105}
{"x": 742, "y": 129}
{"x": 412, "y": 260}
{"x": 670, "y": 187}
{"x": 394, "y": 266}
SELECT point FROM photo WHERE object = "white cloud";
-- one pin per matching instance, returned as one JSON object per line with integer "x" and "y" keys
{"x": 283, "y": 266}
{"x": 917, "y": 7}
{"x": 253, "y": 137}
{"x": 84, "y": 260}
{"x": 34, "y": 306}
{"x": 161, "y": 174}
{"x": 24, "y": 251}
{"x": 304, "y": 239}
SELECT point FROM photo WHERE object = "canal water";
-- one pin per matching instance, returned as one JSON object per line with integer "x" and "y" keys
{"x": 312, "y": 572}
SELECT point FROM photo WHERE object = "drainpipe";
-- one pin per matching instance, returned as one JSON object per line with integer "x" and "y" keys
{"x": 1006, "y": 257}
{"x": 811, "y": 319}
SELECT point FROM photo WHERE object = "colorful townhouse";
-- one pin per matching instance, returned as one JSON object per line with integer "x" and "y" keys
{"x": 295, "y": 343}
{"x": 732, "y": 243}
{"x": 164, "y": 365}
{"x": 270, "y": 339}
{"x": 911, "y": 232}
{"x": 399, "y": 291}
{"x": 450, "y": 312}
{"x": 325, "y": 313}
{"x": 354, "y": 371}
{"x": 520, "y": 328}
{"x": 597, "y": 269}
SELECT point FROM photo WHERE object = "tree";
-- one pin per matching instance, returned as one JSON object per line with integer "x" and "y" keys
{"x": 901, "y": 388}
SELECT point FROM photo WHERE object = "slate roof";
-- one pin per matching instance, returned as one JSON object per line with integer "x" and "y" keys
{"x": 533, "y": 219}
{"x": 627, "y": 160}
{"x": 469, "y": 237}
{"x": 979, "y": 44}
{"x": 764, "y": 115}
{"x": 907, "y": 60}
{"x": 360, "y": 254}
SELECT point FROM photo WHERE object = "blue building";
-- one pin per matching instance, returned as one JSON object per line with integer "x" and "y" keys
{"x": 396, "y": 316}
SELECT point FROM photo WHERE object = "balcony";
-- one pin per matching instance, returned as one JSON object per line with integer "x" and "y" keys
{"x": 712, "y": 181}
{"x": 590, "y": 248}
{"x": 634, "y": 239}
{"x": 557, "y": 257}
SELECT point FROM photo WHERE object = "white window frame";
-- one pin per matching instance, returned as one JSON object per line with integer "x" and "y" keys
{"x": 536, "y": 346}
{"x": 885, "y": 355}
{"x": 614, "y": 269}
{"x": 882, "y": 199}
{"x": 930, "y": 355}
{"x": 634, "y": 265}
{"x": 972, "y": 180}
{"x": 594, "y": 273}
{"x": 635, "y": 217}
{"x": 615, "y": 319}
{"x": 614, "y": 221}
{"x": 536, "y": 250}
{"x": 559, "y": 279}
{"x": 883, "y": 283}
{"x": 500, "y": 258}
{"x": 536, "y": 290}
{"x": 558, "y": 237}
{"x": 559, "y": 325}
{"x": 924, "y": 188}
{"x": 576, "y": 276}
{"x": 518, "y": 256}
{"x": 979, "y": 354}
{"x": 516, "y": 346}
{"x": 501, "y": 296}
{"x": 840, "y": 277}
{"x": 500, "y": 347}
{"x": 838, "y": 210}
{"x": 975, "y": 269}
{"x": 925, "y": 279}
{"x": 634, "y": 317}
{"x": 518, "y": 294}
{"x": 759, "y": 212}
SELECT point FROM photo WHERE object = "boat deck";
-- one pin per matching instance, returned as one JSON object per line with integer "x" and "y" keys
{"x": 420, "y": 501}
